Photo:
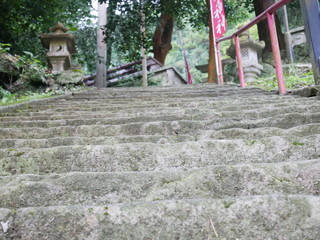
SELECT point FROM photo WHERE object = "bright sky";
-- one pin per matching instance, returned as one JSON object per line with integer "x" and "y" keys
{"x": 95, "y": 6}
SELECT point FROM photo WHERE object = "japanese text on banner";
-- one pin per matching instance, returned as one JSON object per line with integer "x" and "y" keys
{"x": 219, "y": 18}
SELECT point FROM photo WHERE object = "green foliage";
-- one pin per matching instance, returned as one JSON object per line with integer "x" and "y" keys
{"x": 293, "y": 79}
{"x": 86, "y": 56}
{"x": 195, "y": 43}
{"x": 238, "y": 11}
{"x": 26, "y": 73}
{"x": 4, "y": 48}
{"x": 124, "y": 16}
{"x": 32, "y": 71}
{"x": 22, "y": 21}
{"x": 25, "y": 68}
{"x": 7, "y": 98}
{"x": 294, "y": 14}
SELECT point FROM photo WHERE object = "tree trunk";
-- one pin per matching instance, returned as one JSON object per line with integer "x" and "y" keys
{"x": 212, "y": 76}
{"x": 259, "y": 7}
{"x": 162, "y": 38}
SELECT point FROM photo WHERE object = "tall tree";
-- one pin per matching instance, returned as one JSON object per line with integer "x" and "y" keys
{"x": 21, "y": 21}
{"x": 162, "y": 38}
{"x": 161, "y": 15}
{"x": 263, "y": 30}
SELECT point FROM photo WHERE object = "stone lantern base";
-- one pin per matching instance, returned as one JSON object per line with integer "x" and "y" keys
{"x": 58, "y": 64}
{"x": 252, "y": 72}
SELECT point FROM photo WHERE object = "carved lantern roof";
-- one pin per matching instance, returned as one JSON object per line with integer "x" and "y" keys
{"x": 58, "y": 33}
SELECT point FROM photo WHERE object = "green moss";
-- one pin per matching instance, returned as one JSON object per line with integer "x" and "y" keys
{"x": 167, "y": 182}
{"x": 282, "y": 179}
{"x": 228, "y": 204}
{"x": 298, "y": 144}
{"x": 19, "y": 154}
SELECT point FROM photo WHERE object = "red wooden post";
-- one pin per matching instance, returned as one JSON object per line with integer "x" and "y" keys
{"x": 239, "y": 61}
{"x": 220, "y": 72}
{"x": 276, "y": 53}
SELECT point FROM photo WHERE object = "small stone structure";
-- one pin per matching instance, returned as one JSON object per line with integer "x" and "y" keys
{"x": 298, "y": 36}
{"x": 61, "y": 45}
{"x": 250, "y": 48}
{"x": 157, "y": 74}
{"x": 167, "y": 76}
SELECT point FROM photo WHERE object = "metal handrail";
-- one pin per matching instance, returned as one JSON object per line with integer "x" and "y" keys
{"x": 269, "y": 14}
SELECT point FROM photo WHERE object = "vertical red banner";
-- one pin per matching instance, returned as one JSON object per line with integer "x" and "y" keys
{"x": 218, "y": 18}
{"x": 189, "y": 77}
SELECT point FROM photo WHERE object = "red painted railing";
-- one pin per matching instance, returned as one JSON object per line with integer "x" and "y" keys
{"x": 269, "y": 14}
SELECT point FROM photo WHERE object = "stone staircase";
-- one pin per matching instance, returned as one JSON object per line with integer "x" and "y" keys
{"x": 200, "y": 162}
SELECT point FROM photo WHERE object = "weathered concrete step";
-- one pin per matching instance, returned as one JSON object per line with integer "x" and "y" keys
{"x": 69, "y": 141}
{"x": 109, "y": 188}
{"x": 241, "y": 112}
{"x": 234, "y": 133}
{"x": 284, "y": 121}
{"x": 165, "y": 90}
{"x": 162, "y": 128}
{"x": 188, "y": 114}
{"x": 165, "y": 100}
{"x": 106, "y": 121}
{"x": 214, "y": 105}
{"x": 157, "y": 157}
{"x": 151, "y": 128}
{"x": 261, "y": 112}
{"x": 260, "y": 217}
{"x": 89, "y": 115}
{"x": 119, "y": 113}
{"x": 263, "y": 132}
{"x": 180, "y": 94}
{"x": 187, "y": 103}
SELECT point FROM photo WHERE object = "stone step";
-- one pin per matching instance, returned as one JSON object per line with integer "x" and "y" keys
{"x": 284, "y": 121}
{"x": 234, "y": 133}
{"x": 197, "y": 113}
{"x": 180, "y": 94}
{"x": 214, "y": 105}
{"x": 259, "y": 217}
{"x": 153, "y": 101}
{"x": 166, "y": 100}
{"x": 187, "y": 103}
{"x": 157, "y": 157}
{"x": 97, "y": 188}
{"x": 180, "y": 113}
{"x": 105, "y": 121}
{"x": 131, "y": 129}
{"x": 11, "y": 144}
{"x": 262, "y": 132}
{"x": 189, "y": 114}
{"x": 172, "y": 101}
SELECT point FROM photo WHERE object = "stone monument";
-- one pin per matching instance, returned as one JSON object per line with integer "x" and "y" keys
{"x": 61, "y": 45}
{"x": 250, "y": 48}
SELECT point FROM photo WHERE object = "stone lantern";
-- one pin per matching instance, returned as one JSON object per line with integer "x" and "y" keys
{"x": 61, "y": 45}
{"x": 250, "y": 48}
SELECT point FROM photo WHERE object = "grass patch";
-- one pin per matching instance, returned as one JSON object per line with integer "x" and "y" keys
{"x": 294, "y": 78}
{"x": 8, "y": 98}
